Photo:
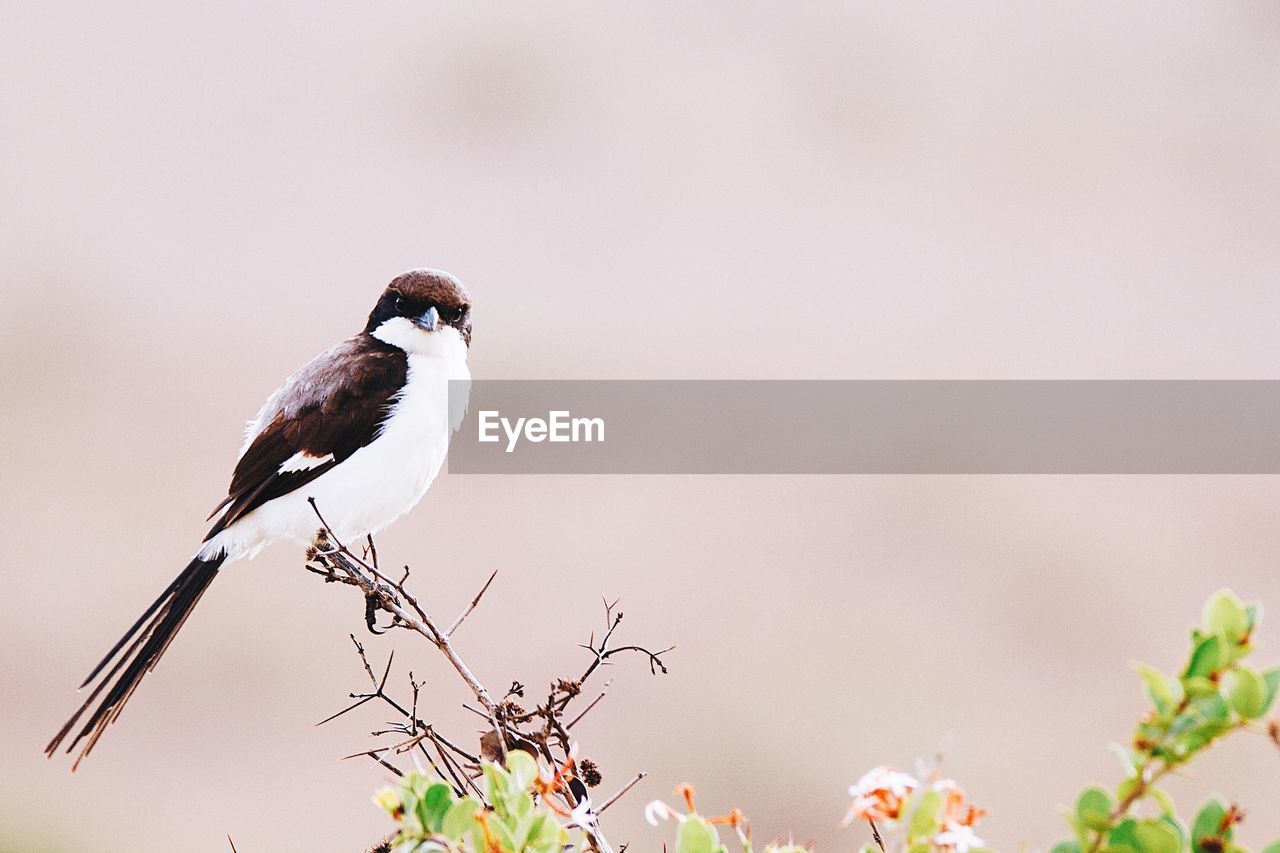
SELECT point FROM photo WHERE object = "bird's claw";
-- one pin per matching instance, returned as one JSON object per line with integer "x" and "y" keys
{"x": 371, "y": 614}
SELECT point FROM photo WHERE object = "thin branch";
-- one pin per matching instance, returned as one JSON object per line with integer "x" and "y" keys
{"x": 475, "y": 711}
{"x": 875, "y": 833}
{"x": 376, "y": 755}
{"x": 617, "y": 795}
{"x": 602, "y": 651}
{"x": 378, "y": 686}
{"x": 655, "y": 658}
{"x": 441, "y": 739}
{"x": 587, "y": 710}
{"x": 472, "y": 606}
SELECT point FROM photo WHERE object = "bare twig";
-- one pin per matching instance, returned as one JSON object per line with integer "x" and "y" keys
{"x": 617, "y": 795}
{"x": 472, "y": 606}
{"x": 376, "y": 755}
{"x": 602, "y": 651}
{"x": 475, "y": 711}
{"x": 875, "y": 833}
{"x": 587, "y": 710}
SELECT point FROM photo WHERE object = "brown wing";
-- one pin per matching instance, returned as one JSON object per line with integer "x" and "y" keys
{"x": 328, "y": 410}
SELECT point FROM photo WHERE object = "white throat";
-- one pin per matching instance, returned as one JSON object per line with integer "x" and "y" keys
{"x": 403, "y": 333}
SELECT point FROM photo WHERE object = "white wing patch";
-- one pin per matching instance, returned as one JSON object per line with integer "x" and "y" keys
{"x": 304, "y": 461}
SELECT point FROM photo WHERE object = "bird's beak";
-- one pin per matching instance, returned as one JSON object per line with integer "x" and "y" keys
{"x": 430, "y": 319}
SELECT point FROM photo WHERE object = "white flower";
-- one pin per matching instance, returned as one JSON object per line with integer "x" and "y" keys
{"x": 959, "y": 837}
{"x": 884, "y": 779}
{"x": 658, "y": 810}
{"x": 880, "y": 795}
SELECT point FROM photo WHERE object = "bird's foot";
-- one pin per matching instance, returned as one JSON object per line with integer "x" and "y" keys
{"x": 371, "y": 614}
{"x": 372, "y": 604}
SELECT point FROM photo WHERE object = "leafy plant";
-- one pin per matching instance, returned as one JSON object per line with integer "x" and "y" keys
{"x": 1214, "y": 695}
{"x": 528, "y": 807}
{"x": 517, "y": 814}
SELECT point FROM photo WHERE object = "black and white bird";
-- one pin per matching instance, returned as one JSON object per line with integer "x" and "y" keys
{"x": 362, "y": 429}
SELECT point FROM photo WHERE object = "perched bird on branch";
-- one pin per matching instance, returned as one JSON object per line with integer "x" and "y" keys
{"x": 361, "y": 430}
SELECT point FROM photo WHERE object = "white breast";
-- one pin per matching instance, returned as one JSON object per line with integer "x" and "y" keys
{"x": 379, "y": 482}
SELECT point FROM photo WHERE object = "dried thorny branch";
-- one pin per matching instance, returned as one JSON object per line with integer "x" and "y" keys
{"x": 542, "y": 731}
{"x": 603, "y": 652}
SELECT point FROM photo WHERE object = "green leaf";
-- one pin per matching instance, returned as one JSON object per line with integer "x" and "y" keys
{"x": 1162, "y": 798}
{"x": 1071, "y": 846}
{"x": 503, "y": 833}
{"x": 1179, "y": 828}
{"x": 1207, "y": 824}
{"x": 1093, "y": 809}
{"x": 1160, "y": 687}
{"x": 1081, "y": 831}
{"x": 433, "y": 805}
{"x": 1270, "y": 678}
{"x": 520, "y": 806}
{"x": 1156, "y": 836}
{"x": 1126, "y": 787}
{"x": 461, "y": 818}
{"x": 1124, "y": 836}
{"x": 1273, "y": 847}
{"x": 1207, "y": 657}
{"x": 695, "y": 835}
{"x": 1211, "y": 709}
{"x": 1247, "y": 691}
{"x": 523, "y": 769}
{"x": 1197, "y": 686}
{"x": 497, "y": 783}
{"x": 544, "y": 833}
{"x": 1225, "y": 614}
{"x": 926, "y": 820}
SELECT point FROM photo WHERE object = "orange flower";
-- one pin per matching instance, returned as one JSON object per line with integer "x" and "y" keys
{"x": 880, "y": 795}
{"x": 956, "y": 810}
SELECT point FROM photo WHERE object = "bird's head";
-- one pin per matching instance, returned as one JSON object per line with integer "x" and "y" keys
{"x": 423, "y": 311}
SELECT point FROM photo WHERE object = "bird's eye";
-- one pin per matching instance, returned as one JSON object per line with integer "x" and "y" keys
{"x": 454, "y": 314}
{"x": 400, "y": 304}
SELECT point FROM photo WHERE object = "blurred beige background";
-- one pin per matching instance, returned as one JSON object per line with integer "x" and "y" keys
{"x": 198, "y": 198}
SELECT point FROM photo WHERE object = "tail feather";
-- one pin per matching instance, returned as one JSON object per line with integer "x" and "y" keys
{"x": 146, "y": 642}
{"x": 128, "y": 635}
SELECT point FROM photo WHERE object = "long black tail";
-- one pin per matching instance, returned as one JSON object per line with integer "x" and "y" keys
{"x": 146, "y": 641}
